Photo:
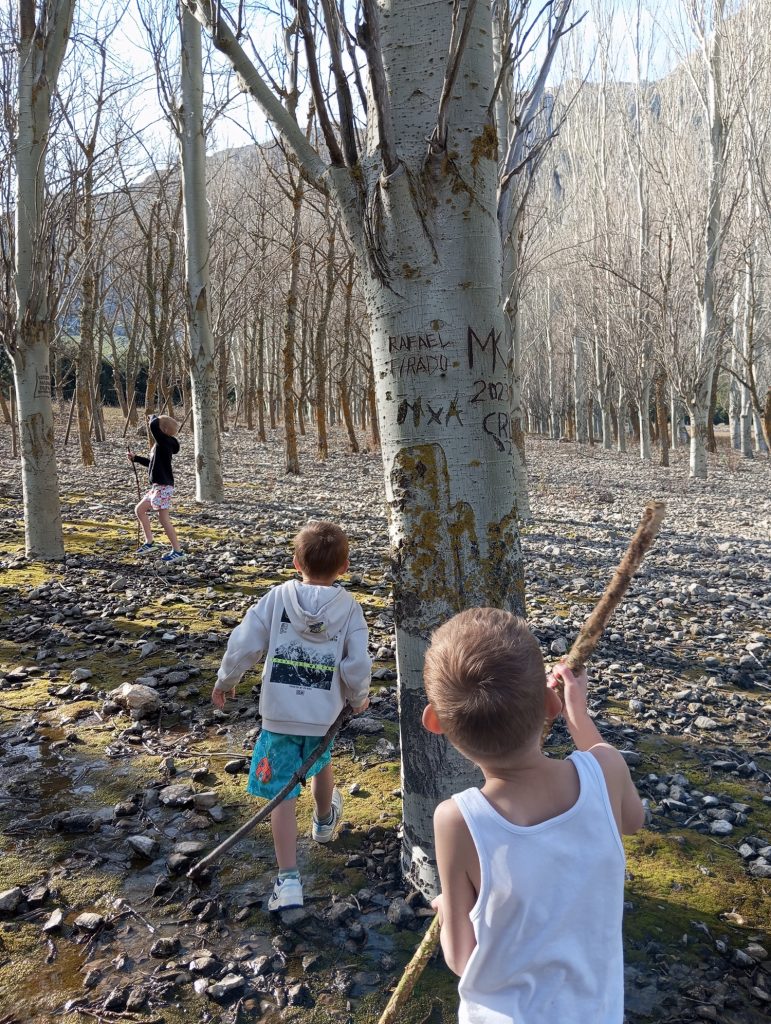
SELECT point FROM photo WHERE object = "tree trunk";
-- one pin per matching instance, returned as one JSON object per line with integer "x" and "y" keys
{"x": 203, "y": 376}
{"x": 290, "y": 336}
{"x": 40, "y": 53}
{"x": 579, "y": 388}
{"x": 661, "y": 419}
{"x": 645, "y": 419}
{"x": 698, "y": 410}
{"x": 711, "y": 439}
{"x": 424, "y": 226}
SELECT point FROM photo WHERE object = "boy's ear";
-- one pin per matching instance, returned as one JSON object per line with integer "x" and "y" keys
{"x": 297, "y": 565}
{"x": 430, "y": 721}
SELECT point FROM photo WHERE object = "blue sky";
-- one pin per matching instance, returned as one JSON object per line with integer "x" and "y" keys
{"x": 243, "y": 121}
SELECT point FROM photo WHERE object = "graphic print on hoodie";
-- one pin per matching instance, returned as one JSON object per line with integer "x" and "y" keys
{"x": 294, "y": 664}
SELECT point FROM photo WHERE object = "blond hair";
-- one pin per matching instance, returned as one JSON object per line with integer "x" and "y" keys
{"x": 168, "y": 425}
{"x": 485, "y": 679}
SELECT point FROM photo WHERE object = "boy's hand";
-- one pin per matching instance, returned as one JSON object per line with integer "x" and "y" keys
{"x": 436, "y": 903}
{"x": 575, "y": 687}
{"x": 361, "y": 707}
{"x": 218, "y": 697}
{"x": 130, "y": 456}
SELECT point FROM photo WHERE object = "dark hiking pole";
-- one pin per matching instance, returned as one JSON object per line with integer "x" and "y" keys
{"x": 136, "y": 478}
{"x": 261, "y": 815}
{"x": 580, "y": 652}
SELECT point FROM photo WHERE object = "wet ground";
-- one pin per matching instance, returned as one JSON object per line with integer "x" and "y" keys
{"x": 100, "y": 805}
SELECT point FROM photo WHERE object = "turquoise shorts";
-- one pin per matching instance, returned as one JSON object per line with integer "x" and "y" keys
{"x": 277, "y": 756}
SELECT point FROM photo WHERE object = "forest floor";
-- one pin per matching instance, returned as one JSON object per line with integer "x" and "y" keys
{"x": 101, "y": 812}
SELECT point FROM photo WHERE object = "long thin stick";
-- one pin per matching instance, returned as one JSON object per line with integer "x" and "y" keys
{"x": 589, "y": 635}
{"x": 582, "y": 649}
{"x": 136, "y": 477}
{"x": 412, "y": 972}
{"x": 299, "y": 776}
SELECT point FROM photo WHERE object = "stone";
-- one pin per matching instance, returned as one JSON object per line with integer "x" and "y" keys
{"x": 761, "y": 868}
{"x": 144, "y": 846}
{"x": 179, "y": 794}
{"x": 163, "y": 948}
{"x": 364, "y": 726}
{"x": 10, "y": 899}
{"x": 227, "y": 988}
{"x": 54, "y": 921}
{"x": 400, "y": 913}
{"x": 702, "y": 722}
{"x": 137, "y": 698}
{"x": 204, "y": 965}
{"x": 79, "y": 675}
{"x": 204, "y": 801}
{"x": 89, "y": 922}
{"x": 74, "y": 822}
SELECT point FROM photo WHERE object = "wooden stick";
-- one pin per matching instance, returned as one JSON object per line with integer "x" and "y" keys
{"x": 261, "y": 815}
{"x": 582, "y": 649}
{"x": 412, "y": 972}
{"x": 136, "y": 478}
{"x": 589, "y": 635}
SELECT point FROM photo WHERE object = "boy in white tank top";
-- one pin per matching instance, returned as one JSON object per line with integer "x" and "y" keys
{"x": 531, "y": 866}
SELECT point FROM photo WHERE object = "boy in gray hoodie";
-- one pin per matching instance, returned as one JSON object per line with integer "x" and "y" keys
{"x": 313, "y": 637}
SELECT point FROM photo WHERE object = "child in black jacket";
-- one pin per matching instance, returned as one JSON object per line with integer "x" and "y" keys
{"x": 164, "y": 430}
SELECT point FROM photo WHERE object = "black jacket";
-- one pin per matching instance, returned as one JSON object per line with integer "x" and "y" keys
{"x": 159, "y": 463}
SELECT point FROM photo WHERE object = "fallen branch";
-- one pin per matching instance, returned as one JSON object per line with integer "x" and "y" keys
{"x": 582, "y": 649}
{"x": 298, "y": 777}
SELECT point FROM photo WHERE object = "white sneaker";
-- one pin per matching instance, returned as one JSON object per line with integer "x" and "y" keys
{"x": 287, "y": 892}
{"x": 324, "y": 833}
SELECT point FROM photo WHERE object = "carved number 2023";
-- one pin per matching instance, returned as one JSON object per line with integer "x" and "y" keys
{"x": 497, "y": 390}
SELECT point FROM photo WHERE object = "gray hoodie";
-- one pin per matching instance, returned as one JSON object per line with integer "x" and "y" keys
{"x": 314, "y": 640}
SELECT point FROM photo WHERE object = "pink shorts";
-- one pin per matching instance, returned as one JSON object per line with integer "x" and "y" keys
{"x": 159, "y": 496}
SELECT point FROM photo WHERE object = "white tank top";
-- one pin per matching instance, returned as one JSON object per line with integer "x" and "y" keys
{"x": 548, "y": 917}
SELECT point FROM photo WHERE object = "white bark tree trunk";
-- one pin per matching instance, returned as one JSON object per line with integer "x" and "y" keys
{"x": 579, "y": 388}
{"x": 425, "y": 231}
{"x": 203, "y": 373}
{"x": 621, "y": 419}
{"x": 644, "y": 417}
{"x": 42, "y": 42}
{"x": 709, "y": 329}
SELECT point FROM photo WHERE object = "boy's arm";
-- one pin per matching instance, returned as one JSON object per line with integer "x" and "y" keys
{"x": 246, "y": 646}
{"x": 628, "y": 809}
{"x": 141, "y": 460}
{"x": 356, "y": 665}
{"x": 455, "y": 851}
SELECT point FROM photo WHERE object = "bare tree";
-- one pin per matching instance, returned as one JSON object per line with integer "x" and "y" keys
{"x": 43, "y": 32}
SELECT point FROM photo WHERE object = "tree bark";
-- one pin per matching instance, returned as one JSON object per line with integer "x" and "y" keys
{"x": 41, "y": 51}
{"x": 424, "y": 227}
{"x": 203, "y": 377}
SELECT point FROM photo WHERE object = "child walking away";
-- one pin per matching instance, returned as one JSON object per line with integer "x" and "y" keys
{"x": 158, "y": 499}
{"x": 531, "y": 865}
{"x": 314, "y": 639}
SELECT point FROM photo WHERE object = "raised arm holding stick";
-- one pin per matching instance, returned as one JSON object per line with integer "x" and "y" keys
{"x": 526, "y": 789}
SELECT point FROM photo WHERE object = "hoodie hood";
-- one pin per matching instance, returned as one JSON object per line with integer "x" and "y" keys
{"x": 317, "y": 613}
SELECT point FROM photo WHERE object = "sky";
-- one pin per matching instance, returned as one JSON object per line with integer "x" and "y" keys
{"x": 243, "y": 122}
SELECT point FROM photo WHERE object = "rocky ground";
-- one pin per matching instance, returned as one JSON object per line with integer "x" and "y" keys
{"x": 119, "y": 773}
